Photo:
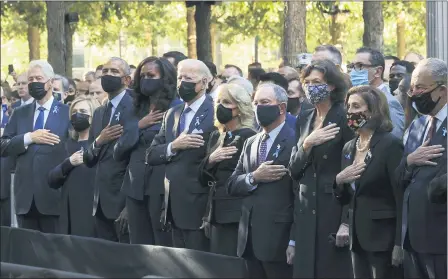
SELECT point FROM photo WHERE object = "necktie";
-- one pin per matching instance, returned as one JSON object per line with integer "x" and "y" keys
{"x": 262, "y": 154}
{"x": 181, "y": 126}
{"x": 40, "y": 119}
{"x": 107, "y": 114}
{"x": 432, "y": 128}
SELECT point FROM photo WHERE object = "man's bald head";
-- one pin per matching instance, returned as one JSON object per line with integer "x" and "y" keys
{"x": 289, "y": 73}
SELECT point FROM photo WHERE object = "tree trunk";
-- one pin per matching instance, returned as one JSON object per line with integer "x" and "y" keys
{"x": 335, "y": 30}
{"x": 372, "y": 12}
{"x": 294, "y": 31}
{"x": 191, "y": 33}
{"x": 69, "y": 31}
{"x": 34, "y": 42}
{"x": 57, "y": 51}
{"x": 203, "y": 42}
{"x": 401, "y": 41}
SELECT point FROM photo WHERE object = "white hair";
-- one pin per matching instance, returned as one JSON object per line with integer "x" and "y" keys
{"x": 247, "y": 85}
{"x": 201, "y": 69}
{"x": 46, "y": 68}
{"x": 280, "y": 94}
{"x": 437, "y": 69}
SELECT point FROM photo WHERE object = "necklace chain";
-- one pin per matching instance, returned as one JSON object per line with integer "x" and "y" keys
{"x": 365, "y": 147}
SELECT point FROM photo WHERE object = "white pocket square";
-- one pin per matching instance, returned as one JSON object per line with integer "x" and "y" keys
{"x": 196, "y": 131}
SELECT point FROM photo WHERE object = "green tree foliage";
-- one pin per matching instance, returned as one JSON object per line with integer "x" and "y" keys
{"x": 15, "y": 17}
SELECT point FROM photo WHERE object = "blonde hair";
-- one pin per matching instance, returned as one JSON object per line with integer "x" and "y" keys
{"x": 93, "y": 104}
{"x": 243, "y": 101}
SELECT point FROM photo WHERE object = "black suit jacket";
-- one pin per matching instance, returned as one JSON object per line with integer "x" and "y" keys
{"x": 34, "y": 163}
{"x": 424, "y": 223}
{"x": 185, "y": 198}
{"x": 110, "y": 172}
{"x": 437, "y": 189}
{"x": 376, "y": 202}
{"x": 269, "y": 208}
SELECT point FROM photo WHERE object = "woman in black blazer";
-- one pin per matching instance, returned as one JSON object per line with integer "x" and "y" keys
{"x": 322, "y": 132}
{"x": 154, "y": 93}
{"x": 368, "y": 185}
{"x": 234, "y": 118}
{"x": 75, "y": 179}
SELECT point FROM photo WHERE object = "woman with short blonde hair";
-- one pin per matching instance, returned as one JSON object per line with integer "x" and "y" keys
{"x": 234, "y": 118}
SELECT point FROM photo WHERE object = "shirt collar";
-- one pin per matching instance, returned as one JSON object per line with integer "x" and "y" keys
{"x": 47, "y": 104}
{"x": 197, "y": 104}
{"x": 117, "y": 99}
{"x": 27, "y": 102}
{"x": 442, "y": 114}
{"x": 384, "y": 87}
{"x": 274, "y": 133}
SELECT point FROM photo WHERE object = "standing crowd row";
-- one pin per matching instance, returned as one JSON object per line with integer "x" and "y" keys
{"x": 305, "y": 173}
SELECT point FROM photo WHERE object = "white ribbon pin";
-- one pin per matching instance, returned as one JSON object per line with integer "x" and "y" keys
{"x": 117, "y": 116}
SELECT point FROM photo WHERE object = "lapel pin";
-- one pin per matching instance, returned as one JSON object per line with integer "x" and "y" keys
{"x": 197, "y": 122}
{"x": 329, "y": 122}
{"x": 230, "y": 134}
{"x": 369, "y": 155}
{"x": 117, "y": 116}
{"x": 347, "y": 156}
{"x": 55, "y": 109}
{"x": 277, "y": 151}
{"x": 444, "y": 131}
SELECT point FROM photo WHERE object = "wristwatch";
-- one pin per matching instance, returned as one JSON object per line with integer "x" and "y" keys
{"x": 251, "y": 179}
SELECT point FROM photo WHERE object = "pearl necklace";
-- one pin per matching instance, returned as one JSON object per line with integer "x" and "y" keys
{"x": 365, "y": 147}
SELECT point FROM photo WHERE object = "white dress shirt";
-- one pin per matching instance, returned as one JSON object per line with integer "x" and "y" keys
{"x": 27, "y": 138}
{"x": 188, "y": 118}
{"x": 29, "y": 101}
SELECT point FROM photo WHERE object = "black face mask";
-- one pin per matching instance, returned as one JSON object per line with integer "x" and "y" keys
{"x": 267, "y": 114}
{"x": 80, "y": 121}
{"x": 69, "y": 98}
{"x": 187, "y": 91}
{"x": 111, "y": 84}
{"x": 149, "y": 87}
{"x": 37, "y": 90}
{"x": 393, "y": 84}
{"x": 223, "y": 114}
{"x": 424, "y": 102}
{"x": 293, "y": 105}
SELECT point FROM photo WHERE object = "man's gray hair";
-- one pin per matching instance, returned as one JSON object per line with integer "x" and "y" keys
{"x": 437, "y": 69}
{"x": 126, "y": 68}
{"x": 90, "y": 73}
{"x": 280, "y": 94}
{"x": 46, "y": 68}
{"x": 247, "y": 85}
{"x": 64, "y": 81}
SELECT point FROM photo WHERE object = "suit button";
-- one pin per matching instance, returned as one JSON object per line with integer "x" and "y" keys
{"x": 315, "y": 175}
{"x": 325, "y": 157}
{"x": 161, "y": 156}
{"x": 314, "y": 211}
{"x": 314, "y": 194}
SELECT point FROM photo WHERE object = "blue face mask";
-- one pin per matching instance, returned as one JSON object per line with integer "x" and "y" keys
{"x": 359, "y": 77}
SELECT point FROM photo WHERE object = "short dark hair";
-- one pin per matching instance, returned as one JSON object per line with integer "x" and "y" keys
{"x": 408, "y": 65}
{"x": 333, "y": 50}
{"x": 377, "y": 105}
{"x": 332, "y": 75}
{"x": 255, "y": 65}
{"x": 276, "y": 78}
{"x": 236, "y": 67}
{"x": 212, "y": 67}
{"x": 72, "y": 83}
{"x": 176, "y": 55}
{"x": 376, "y": 57}
{"x": 99, "y": 68}
{"x": 391, "y": 57}
{"x": 132, "y": 67}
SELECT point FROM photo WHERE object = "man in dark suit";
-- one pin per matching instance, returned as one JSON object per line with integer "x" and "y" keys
{"x": 424, "y": 223}
{"x": 180, "y": 146}
{"x": 107, "y": 126}
{"x": 22, "y": 90}
{"x": 36, "y": 134}
{"x": 261, "y": 177}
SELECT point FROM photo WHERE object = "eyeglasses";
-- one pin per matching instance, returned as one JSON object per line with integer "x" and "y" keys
{"x": 359, "y": 66}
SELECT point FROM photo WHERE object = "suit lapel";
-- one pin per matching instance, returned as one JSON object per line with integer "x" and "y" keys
{"x": 376, "y": 138}
{"x": 306, "y": 125}
{"x": 116, "y": 119}
{"x": 30, "y": 118}
{"x": 254, "y": 153}
{"x": 177, "y": 114}
{"x": 349, "y": 154}
{"x": 278, "y": 145}
{"x": 52, "y": 119}
{"x": 199, "y": 117}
